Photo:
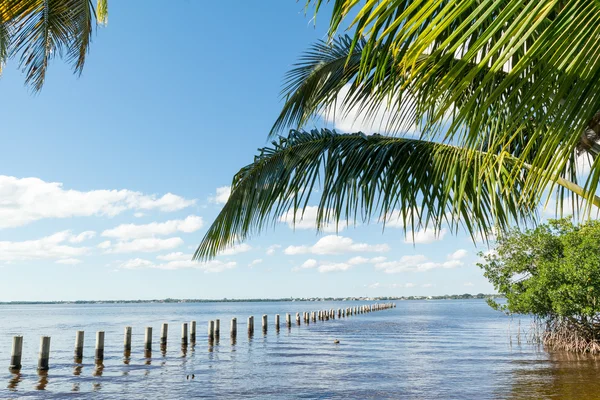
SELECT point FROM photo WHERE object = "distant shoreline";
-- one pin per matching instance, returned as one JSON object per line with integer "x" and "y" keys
{"x": 465, "y": 296}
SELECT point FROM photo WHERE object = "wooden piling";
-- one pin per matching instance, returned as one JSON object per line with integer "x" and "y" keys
{"x": 264, "y": 323}
{"x": 99, "y": 346}
{"x": 233, "y": 329}
{"x": 148, "y": 339}
{"x": 127, "y": 339}
{"x": 297, "y": 318}
{"x": 184, "y": 334}
{"x": 288, "y": 320}
{"x": 250, "y": 326}
{"x": 277, "y": 321}
{"x": 217, "y": 328}
{"x": 16, "y": 353}
{"x": 79, "y": 336}
{"x": 211, "y": 330}
{"x": 164, "y": 330}
{"x": 193, "y": 331}
{"x": 44, "y": 356}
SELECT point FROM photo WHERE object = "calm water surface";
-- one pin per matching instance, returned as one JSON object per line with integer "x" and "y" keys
{"x": 419, "y": 350}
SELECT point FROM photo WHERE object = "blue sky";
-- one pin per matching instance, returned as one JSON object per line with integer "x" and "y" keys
{"x": 110, "y": 180}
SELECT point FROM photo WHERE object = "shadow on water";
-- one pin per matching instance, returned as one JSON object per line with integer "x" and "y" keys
{"x": 561, "y": 375}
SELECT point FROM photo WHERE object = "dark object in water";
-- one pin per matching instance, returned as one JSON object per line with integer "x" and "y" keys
{"x": 187, "y": 377}
{"x": 193, "y": 376}
{"x": 336, "y": 341}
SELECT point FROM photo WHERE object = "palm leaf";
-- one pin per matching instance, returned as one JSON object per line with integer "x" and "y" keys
{"x": 498, "y": 67}
{"x": 39, "y": 30}
{"x": 373, "y": 177}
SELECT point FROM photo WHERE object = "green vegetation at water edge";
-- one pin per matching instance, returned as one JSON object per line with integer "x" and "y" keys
{"x": 553, "y": 273}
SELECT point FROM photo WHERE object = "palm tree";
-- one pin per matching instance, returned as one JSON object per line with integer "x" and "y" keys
{"x": 35, "y": 31}
{"x": 506, "y": 96}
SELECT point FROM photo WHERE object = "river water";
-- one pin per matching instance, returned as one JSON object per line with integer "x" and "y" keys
{"x": 454, "y": 349}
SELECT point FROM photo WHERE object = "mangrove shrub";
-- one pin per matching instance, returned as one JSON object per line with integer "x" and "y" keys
{"x": 553, "y": 273}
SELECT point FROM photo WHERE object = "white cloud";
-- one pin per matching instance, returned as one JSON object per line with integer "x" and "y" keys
{"x": 363, "y": 260}
{"x": 469, "y": 284}
{"x": 324, "y": 266}
{"x": 137, "y": 263}
{"x": 237, "y": 249}
{"x": 139, "y": 214}
{"x": 333, "y": 244}
{"x": 354, "y": 119}
{"x": 68, "y": 261}
{"x": 425, "y": 236}
{"x": 132, "y": 231}
{"x": 105, "y": 245}
{"x": 145, "y": 245}
{"x": 308, "y": 220}
{"x": 458, "y": 254}
{"x": 222, "y": 195}
{"x": 208, "y": 267}
{"x": 25, "y": 200}
{"x": 49, "y": 247}
{"x": 308, "y": 264}
{"x": 83, "y": 236}
{"x": 379, "y": 285}
{"x": 358, "y": 260}
{"x": 271, "y": 249}
{"x": 178, "y": 256}
{"x": 420, "y": 263}
{"x": 334, "y": 267}
{"x": 255, "y": 262}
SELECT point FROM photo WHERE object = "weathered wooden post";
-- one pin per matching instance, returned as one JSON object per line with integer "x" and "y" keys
{"x": 233, "y": 329}
{"x": 99, "y": 346}
{"x": 297, "y": 318}
{"x": 148, "y": 339}
{"x": 277, "y": 322}
{"x": 16, "y": 353}
{"x": 250, "y": 326}
{"x": 79, "y": 345}
{"x": 217, "y": 328}
{"x": 44, "y": 356}
{"x": 288, "y": 320}
{"x": 193, "y": 331}
{"x": 184, "y": 334}
{"x": 127, "y": 340}
{"x": 164, "y": 330}
{"x": 211, "y": 330}
{"x": 264, "y": 323}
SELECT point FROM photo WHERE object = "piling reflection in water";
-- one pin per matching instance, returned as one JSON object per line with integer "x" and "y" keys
{"x": 14, "y": 381}
{"x": 43, "y": 380}
{"x": 99, "y": 369}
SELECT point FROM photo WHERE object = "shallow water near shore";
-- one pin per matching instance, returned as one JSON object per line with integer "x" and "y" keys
{"x": 452, "y": 349}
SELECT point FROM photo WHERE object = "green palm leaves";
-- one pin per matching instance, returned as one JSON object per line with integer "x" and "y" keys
{"x": 505, "y": 94}
{"x": 497, "y": 67}
{"x": 36, "y": 31}
{"x": 420, "y": 183}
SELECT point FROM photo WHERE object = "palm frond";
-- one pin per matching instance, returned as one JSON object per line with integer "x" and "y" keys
{"x": 373, "y": 177}
{"x": 498, "y": 67}
{"x": 39, "y": 30}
